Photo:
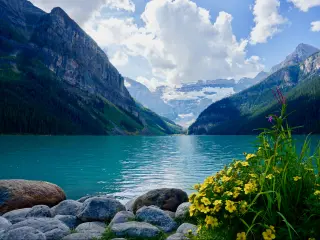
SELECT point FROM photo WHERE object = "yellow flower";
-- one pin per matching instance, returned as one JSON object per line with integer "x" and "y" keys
{"x": 206, "y": 201}
{"x": 204, "y": 209}
{"x": 197, "y": 186}
{"x": 192, "y": 209}
{"x": 230, "y": 206}
{"x": 216, "y": 208}
{"x": 211, "y": 221}
{"x": 225, "y": 179}
{"x": 236, "y": 194}
{"x": 192, "y": 197}
{"x": 217, "y": 189}
{"x": 250, "y": 187}
{"x": 253, "y": 175}
{"x": 199, "y": 229}
{"x": 269, "y": 176}
{"x": 250, "y": 155}
{"x": 239, "y": 182}
{"x": 229, "y": 170}
{"x": 268, "y": 234}
{"x": 245, "y": 164}
{"x": 296, "y": 178}
{"x": 243, "y": 207}
{"x": 241, "y": 236}
{"x": 228, "y": 193}
{"x": 311, "y": 239}
{"x": 317, "y": 193}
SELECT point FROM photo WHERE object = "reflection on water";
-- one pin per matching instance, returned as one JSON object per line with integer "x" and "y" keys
{"x": 124, "y": 166}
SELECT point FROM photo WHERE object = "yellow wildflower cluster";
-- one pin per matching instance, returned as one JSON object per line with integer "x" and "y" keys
{"x": 269, "y": 234}
{"x": 222, "y": 196}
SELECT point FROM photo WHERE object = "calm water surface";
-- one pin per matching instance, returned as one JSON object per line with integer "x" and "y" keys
{"x": 123, "y": 166}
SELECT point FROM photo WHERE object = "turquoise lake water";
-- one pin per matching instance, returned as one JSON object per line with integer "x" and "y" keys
{"x": 123, "y": 166}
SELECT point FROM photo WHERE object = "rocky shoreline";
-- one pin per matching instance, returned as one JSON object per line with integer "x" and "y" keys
{"x": 32, "y": 210}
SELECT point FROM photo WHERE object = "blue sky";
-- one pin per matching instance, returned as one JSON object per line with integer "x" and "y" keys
{"x": 179, "y": 41}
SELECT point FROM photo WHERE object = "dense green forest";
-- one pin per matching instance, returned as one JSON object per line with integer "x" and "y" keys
{"x": 34, "y": 101}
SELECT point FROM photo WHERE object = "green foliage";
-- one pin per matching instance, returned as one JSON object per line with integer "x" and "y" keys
{"x": 108, "y": 235}
{"x": 275, "y": 192}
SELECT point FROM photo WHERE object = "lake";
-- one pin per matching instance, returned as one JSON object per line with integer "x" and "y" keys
{"x": 123, "y": 166}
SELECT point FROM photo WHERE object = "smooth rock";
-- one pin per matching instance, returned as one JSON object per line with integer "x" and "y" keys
{"x": 83, "y": 236}
{"x": 177, "y": 236}
{"x": 164, "y": 198}
{"x": 185, "y": 227}
{"x": 18, "y": 194}
{"x": 67, "y": 207}
{"x": 122, "y": 217}
{"x": 39, "y": 211}
{"x": 129, "y": 204}
{"x": 23, "y": 233}
{"x": 171, "y": 214}
{"x": 183, "y": 211}
{"x": 52, "y": 228}
{"x": 91, "y": 196}
{"x": 97, "y": 227}
{"x": 157, "y": 217}
{"x": 4, "y": 223}
{"x": 135, "y": 229}
{"x": 100, "y": 209}
{"x": 71, "y": 221}
{"x": 18, "y": 215}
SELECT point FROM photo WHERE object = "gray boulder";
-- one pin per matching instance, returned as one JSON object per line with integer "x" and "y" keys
{"x": 171, "y": 214}
{"x": 53, "y": 229}
{"x": 157, "y": 217}
{"x": 129, "y": 204}
{"x": 81, "y": 200}
{"x": 185, "y": 227}
{"x": 100, "y": 209}
{"x": 17, "y": 215}
{"x": 135, "y": 229}
{"x": 39, "y": 211}
{"x": 83, "y": 236}
{"x": 177, "y": 236}
{"x": 4, "y": 223}
{"x": 164, "y": 198}
{"x": 121, "y": 217}
{"x": 23, "y": 233}
{"x": 96, "y": 227}
{"x": 183, "y": 211}
{"x": 67, "y": 207}
{"x": 71, "y": 221}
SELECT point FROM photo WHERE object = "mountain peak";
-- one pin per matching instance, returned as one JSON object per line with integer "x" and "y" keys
{"x": 301, "y": 53}
{"x": 59, "y": 12}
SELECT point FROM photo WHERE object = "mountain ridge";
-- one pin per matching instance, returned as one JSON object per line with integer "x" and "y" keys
{"x": 247, "y": 110}
{"x": 49, "y": 52}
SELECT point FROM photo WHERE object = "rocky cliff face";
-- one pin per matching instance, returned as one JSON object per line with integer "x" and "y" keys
{"x": 65, "y": 81}
{"x": 70, "y": 53}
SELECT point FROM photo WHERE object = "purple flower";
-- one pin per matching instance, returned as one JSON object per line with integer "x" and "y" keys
{"x": 270, "y": 119}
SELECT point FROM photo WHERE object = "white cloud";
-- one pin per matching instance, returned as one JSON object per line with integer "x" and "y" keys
{"x": 180, "y": 42}
{"x": 82, "y": 10}
{"x": 315, "y": 26}
{"x": 119, "y": 59}
{"x": 305, "y": 5}
{"x": 151, "y": 84}
{"x": 267, "y": 20}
